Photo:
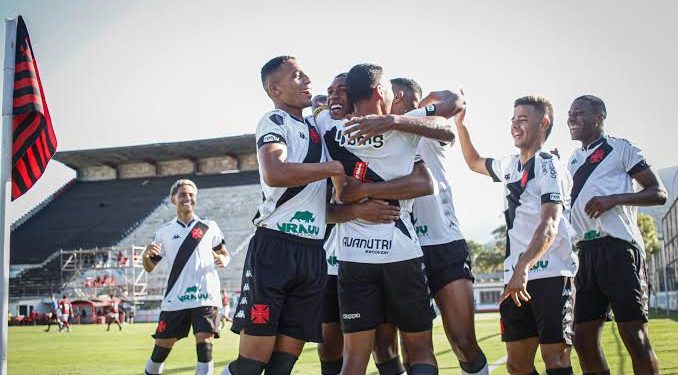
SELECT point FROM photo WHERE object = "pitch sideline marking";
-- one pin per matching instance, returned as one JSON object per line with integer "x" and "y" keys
{"x": 497, "y": 364}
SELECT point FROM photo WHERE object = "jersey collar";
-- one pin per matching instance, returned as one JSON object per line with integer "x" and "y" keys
{"x": 186, "y": 225}
{"x": 594, "y": 143}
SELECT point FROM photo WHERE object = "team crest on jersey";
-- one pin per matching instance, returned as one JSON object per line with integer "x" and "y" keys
{"x": 597, "y": 156}
{"x": 315, "y": 137}
{"x": 375, "y": 142}
{"x": 197, "y": 233}
{"x": 301, "y": 223}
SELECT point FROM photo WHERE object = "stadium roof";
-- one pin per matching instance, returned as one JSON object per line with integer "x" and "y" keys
{"x": 156, "y": 152}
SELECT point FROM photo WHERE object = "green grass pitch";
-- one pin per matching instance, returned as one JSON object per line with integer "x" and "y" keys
{"x": 89, "y": 349}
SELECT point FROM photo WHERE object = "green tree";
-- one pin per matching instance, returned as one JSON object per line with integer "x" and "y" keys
{"x": 489, "y": 258}
{"x": 649, "y": 232}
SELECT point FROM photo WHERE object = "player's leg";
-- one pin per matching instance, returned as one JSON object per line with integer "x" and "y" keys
{"x": 409, "y": 305}
{"x": 172, "y": 326}
{"x": 205, "y": 328}
{"x": 637, "y": 342}
{"x": 451, "y": 282}
{"x": 520, "y": 356}
{"x": 519, "y": 332}
{"x": 385, "y": 351}
{"x": 330, "y": 351}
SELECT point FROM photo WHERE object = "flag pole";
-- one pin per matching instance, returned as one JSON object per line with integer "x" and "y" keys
{"x": 5, "y": 181}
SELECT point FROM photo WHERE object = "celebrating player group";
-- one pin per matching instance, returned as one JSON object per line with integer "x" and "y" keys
{"x": 339, "y": 256}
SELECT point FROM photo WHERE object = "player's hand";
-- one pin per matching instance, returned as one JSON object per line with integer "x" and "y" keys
{"x": 436, "y": 97}
{"x": 376, "y": 211}
{"x": 362, "y": 128}
{"x": 517, "y": 288}
{"x": 352, "y": 191}
{"x": 221, "y": 260}
{"x": 598, "y": 205}
{"x": 152, "y": 250}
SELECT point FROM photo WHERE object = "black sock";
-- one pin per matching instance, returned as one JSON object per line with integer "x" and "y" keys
{"x": 159, "y": 354}
{"x": 204, "y": 352}
{"x": 391, "y": 367}
{"x": 606, "y": 372}
{"x": 475, "y": 365}
{"x": 331, "y": 367}
{"x": 560, "y": 371}
{"x": 423, "y": 369}
{"x": 281, "y": 363}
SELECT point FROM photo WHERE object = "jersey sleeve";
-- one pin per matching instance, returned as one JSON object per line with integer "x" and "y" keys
{"x": 323, "y": 122}
{"x": 550, "y": 177}
{"x": 217, "y": 236}
{"x": 271, "y": 130}
{"x": 632, "y": 158}
{"x": 497, "y": 167}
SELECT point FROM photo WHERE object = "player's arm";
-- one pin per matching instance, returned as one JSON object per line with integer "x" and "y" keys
{"x": 443, "y": 103}
{"x": 417, "y": 184}
{"x": 276, "y": 172}
{"x": 473, "y": 159}
{"x": 376, "y": 211}
{"x": 651, "y": 194}
{"x": 543, "y": 237}
{"x": 150, "y": 257}
{"x": 362, "y": 128}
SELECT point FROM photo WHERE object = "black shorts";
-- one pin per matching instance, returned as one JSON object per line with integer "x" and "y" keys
{"x": 611, "y": 274}
{"x": 282, "y": 287}
{"x": 446, "y": 263}
{"x": 175, "y": 324}
{"x": 548, "y": 315}
{"x": 331, "y": 301}
{"x": 367, "y": 292}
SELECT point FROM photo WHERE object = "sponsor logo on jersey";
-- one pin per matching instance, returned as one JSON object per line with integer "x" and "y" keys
{"x": 271, "y": 138}
{"x": 193, "y": 294}
{"x": 376, "y": 142}
{"x": 303, "y": 225}
{"x": 350, "y": 316}
{"x": 260, "y": 314}
{"x": 372, "y": 246}
{"x": 555, "y": 197}
{"x": 332, "y": 260}
{"x": 591, "y": 235}
{"x": 541, "y": 265}
{"x": 548, "y": 168}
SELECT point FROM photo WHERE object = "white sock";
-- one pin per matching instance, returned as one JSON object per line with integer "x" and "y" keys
{"x": 154, "y": 368}
{"x": 204, "y": 368}
{"x": 226, "y": 371}
{"x": 483, "y": 371}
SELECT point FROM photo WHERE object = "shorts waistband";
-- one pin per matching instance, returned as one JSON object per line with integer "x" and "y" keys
{"x": 270, "y": 233}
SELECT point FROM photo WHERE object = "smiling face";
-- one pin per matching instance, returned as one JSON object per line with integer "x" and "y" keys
{"x": 290, "y": 86}
{"x": 584, "y": 123}
{"x": 185, "y": 199}
{"x": 337, "y": 98}
{"x": 527, "y": 126}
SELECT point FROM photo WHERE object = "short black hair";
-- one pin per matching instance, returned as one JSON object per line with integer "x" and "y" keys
{"x": 344, "y": 74}
{"x": 410, "y": 84}
{"x": 541, "y": 104}
{"x": 361, "y": 81}
{"x": 596, "y": 102}
{"x": 271, "y": 66}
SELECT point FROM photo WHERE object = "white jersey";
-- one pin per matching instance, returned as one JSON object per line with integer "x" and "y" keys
{"x": 300, "y": 210}
{"x": 198, "y": 283}
{"x": 433, "y": 216}
{"x": 542, "y": 179}
{"x": 382, "y": 158}
{"x": 604, "y": 168}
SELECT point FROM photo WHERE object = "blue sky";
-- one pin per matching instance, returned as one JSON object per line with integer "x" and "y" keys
{"x": 125, "y": 72}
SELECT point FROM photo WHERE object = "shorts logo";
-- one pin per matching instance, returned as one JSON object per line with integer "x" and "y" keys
{"x": 246, "y": 287}
{"x": 243, "y": 301}
{"x": 248, "y": 273}
{"x": 240, "y": 314}
{"x": 197, "y": 233}
{"x": 260, "y": 314}
{"x": 162, "y": 327}
{"x": 351, "y": 316}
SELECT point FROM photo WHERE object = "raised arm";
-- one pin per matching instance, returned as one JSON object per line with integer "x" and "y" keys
{"x": 473, "y": 159}
{"x": 417, "y": 184}
{"x": 362, "y": 128}
{"x": 277, "y": 172}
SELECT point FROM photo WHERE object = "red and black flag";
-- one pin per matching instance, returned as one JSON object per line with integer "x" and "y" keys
{"x": 33, "y": 139}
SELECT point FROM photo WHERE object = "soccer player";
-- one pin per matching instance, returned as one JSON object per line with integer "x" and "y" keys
{"x": 380, "y": 266}
{"x": 446, "y": 255}
{"x": 193, "y": 248}
{"x": 611, "y": 251}
{"x": 225, "y": 309}
{"x": 53, "y": 314}
{"x": 536, "y": 305}
{"x": 330, "y": 350}
{"x": 66, "y": 310}
{"x": 114, "y": 313}
{"x": 283, "y": 279}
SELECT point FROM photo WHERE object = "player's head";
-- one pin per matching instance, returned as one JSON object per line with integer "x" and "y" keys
{"x": 406, "y": 95}
{"x": 318, "y": 100}
{"x": 367, "y": 86}
{"x": 286, "y": 83}
{"x": 585, "y": 118}
{"x": 337, "y": 98}
{"x": 183, "y": 195}
{"x": 532, "y": 121}
{"x": 64, "y": 296}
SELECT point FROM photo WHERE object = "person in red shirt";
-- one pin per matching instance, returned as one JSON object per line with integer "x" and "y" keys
{"x": 66, "y": 311}
{"x": 114, "y": 313}
{"x": 225, "y": 310}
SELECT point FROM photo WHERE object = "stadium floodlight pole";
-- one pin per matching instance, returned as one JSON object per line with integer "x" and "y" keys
{"x": 5, "y": 182}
